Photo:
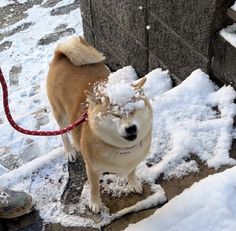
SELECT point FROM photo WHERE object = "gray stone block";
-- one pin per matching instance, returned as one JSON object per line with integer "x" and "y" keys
{"x": 86, "y": 12}
{"x": 119, "y": 40}
{"x": 129, "y": 14}
{"x": 173, "y": 51}
{"x": 195, "y": 21}
{"x": 224, "y": 61}
{"x": 88, "y": 34}
{"x": 113, "y": 60}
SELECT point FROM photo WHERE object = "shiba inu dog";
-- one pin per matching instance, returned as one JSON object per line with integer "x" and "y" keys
{"x": 117, "y": 135}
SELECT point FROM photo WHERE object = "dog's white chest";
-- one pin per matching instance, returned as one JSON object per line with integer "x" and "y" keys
{"x": 123, "y": 160}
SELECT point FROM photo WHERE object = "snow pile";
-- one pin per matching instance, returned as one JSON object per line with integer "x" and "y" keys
{"x": 208, "y": 205}
{"x": 233, "y": 7}
{"x": 229, "y": 34}
{"x": 121, "y": 92}
{"x": 123, "y": 75}
{"x": 158, "y": 82}
{"x": 28, "y": 99}
{"x": 194, "y": 118}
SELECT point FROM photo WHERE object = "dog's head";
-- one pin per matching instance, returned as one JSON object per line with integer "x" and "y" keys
{"x": 120, "y": 124}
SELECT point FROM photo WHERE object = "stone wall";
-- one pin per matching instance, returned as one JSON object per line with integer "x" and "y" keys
{"x": 178, "y": 35}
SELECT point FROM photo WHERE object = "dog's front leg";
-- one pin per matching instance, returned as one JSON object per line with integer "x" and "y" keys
{"x": 133, "y": 183}
{"x": 95, "y": 203}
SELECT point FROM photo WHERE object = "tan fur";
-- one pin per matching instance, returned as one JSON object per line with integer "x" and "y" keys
{"x": 100, "y": 141}
{"x": 79, "y": 52}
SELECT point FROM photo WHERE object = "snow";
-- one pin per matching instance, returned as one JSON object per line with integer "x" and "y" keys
{"x": 5, "y": 2}
{"x": 120, "y": 91}
{"x": 184, "y": 124}
{"x": 233, "y": 7}
{"x": 158, "y": 81}
{"x": 22, "y": 1}
{"x": 208, "y": 205}
{"x": 229, "y": 34}
{"x": 45, "y": 178}
{"x": 28, "y": 101}
{"x": 120, "y": 94}
{"x": 194, "y": 118}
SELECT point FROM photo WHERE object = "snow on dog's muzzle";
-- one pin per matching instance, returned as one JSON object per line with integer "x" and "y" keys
{"x": 131, "y": 132}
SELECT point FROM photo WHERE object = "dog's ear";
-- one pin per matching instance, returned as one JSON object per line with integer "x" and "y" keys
{"x": 140, "y": 84}
{"x": 91, "y": 98}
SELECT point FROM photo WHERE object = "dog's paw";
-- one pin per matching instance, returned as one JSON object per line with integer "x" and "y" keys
{"x": 71, "y": 156}
{"x": 96, "y": 207}
{"x": 135, "y": 186}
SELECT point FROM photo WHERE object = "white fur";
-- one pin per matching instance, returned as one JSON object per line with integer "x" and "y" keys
{"x": 111, "y": 130}
{"x": 79, "y": 52}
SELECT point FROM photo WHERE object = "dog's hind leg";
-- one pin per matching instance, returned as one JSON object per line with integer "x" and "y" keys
{"x": 69, "y": 149}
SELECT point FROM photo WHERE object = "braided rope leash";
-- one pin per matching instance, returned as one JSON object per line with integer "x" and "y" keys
{"x": 81, "y": 119}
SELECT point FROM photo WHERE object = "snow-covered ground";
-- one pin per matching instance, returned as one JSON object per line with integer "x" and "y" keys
{"x": 28, "y": 100}
{"x": 229, "y": 33}
{"x": 233, "y": 7}
{"x": 194, "y": 118}
{"x": 209, "y": 205}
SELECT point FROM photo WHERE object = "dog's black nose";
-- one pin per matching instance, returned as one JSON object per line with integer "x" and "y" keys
{"x": 131, "y": 130}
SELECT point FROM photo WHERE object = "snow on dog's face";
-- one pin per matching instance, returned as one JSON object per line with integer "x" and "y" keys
{"x": 119, "y": 114}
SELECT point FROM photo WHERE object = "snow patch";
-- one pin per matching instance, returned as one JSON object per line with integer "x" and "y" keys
{"x": 4, "y": 3}
{"x": 194, "y": 118}
{"x": 233, "y": 7}
{"x": 229, "y": 34}
{"x": 208, "y": 205}
{"x": 28, "y": 100}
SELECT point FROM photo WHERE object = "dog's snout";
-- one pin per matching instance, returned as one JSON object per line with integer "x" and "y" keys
{"x": 131, "y": 130}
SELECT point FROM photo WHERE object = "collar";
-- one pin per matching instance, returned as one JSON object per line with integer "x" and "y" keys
{"x": 125, "y": 151}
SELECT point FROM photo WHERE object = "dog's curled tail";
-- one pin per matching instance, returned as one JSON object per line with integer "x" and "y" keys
{"x": 79, "y": 52}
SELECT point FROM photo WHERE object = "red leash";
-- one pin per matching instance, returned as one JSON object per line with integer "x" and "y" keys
{"x": 82, "y": 118}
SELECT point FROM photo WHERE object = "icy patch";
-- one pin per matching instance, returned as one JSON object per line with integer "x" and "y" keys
{"x": 208, "y": 205}
{"x": 194, "y": 118}
{"x": 229, "y": 34}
